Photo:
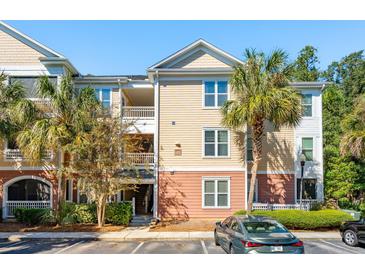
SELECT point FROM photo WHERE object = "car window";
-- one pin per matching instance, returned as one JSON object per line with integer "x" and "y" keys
{"x": 235, "y": 226}
{"x": 227, "y": 221}
{"x": 264, "y": 227}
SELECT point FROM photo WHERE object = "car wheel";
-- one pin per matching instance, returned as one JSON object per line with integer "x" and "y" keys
{"x": 216, "y": 239}
{"x": 231, "y": 250}
{"x": 350, "y": 238}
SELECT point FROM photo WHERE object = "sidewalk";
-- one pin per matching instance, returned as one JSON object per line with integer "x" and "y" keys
{"x": 142, "y": 234}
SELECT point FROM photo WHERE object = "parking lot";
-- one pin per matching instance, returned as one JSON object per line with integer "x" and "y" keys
{"x": 65, "y": 246}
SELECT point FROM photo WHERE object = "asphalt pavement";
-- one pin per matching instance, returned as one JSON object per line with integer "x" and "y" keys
{"x": 74, "y": 246}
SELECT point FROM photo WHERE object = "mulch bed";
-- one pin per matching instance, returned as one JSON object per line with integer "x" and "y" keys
{"x": 185, "y": 226}
{"x": 17, "y": 227}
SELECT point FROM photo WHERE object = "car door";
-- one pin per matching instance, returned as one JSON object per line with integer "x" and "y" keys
{"x": 233, "y": 232}
{"x": 223, "y": 232}
{"x": 361, "y": 230}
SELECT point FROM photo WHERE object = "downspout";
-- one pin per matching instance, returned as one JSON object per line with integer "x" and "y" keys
{"x": 156, "y": 144}
{"x": 246, "y": 166}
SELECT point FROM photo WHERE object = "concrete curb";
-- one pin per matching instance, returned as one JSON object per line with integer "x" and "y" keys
{"x": 141, "y": 235}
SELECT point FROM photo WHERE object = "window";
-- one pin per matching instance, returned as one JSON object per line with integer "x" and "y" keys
{"x": 309, "y": 189}
{"x": 307, "y": 148}
{"x": 103, "y": 95}
{"x": 249, "y": 150}
{"x": 215, "y": 93}
{"x": 307, "y": 105}
{"x": 30, "y": 84}
{"x": 68, "y": 194}
{"x": 215, "y": 193}
{"x": 235, "y": 226}
{"x": 216, "y": 143}
{"x": 11, "y": 144}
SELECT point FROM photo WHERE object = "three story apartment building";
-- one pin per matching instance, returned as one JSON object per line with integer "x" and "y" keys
{"x": 196, "y": 169}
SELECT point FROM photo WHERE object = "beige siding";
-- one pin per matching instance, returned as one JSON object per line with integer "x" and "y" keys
{"x": 14, "y": 52}
{"x": 181, "y": 102}
{"x": 200, "y": 59}
{"x": 278, "y": 149}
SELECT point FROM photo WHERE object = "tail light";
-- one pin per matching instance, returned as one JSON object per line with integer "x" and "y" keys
{"x": 299, "y": 243}
{"x": 250, "y": 244}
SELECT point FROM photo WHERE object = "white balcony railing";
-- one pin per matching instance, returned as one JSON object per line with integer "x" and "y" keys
{"x": 140, "y": 158}
{"x": 15, "y": 154}
{"x": 143, "y": 113}
{"x": 12, "y": 205}
{"x": 306, "y": 205}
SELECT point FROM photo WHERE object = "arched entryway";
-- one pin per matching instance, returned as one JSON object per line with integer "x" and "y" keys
{"x": 26, "y": 192}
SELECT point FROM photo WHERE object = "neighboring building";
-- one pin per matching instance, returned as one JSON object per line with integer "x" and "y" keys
{"x": 196, "y": 169}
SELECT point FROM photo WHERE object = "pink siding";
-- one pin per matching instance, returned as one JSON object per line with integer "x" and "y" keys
{"x": 276, "y": 188}
{"x": 180, "y": 195}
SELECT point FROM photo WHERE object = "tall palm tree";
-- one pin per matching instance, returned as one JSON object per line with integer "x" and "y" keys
{"x": 71, "y": 113}
{"x": 261, "y": 93}
{"x": 353, "y": 140}
{"x": 15, "y": 110}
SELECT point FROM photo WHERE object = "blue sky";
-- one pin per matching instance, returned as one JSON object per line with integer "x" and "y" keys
{"x": 129, "y": 47}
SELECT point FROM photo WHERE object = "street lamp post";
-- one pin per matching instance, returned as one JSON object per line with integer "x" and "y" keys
{"x": 302, "y": 164}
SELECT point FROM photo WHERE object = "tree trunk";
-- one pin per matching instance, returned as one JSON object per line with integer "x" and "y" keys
{"x": 100, "y": 208}
{"x": 257, "y": 133}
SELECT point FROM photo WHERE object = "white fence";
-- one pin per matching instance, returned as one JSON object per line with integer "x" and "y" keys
{"x": 306, "y": 205}
{"x": 145, "y": 113}
{"x": 15, "y": 154}
{"x": 12, "y": 205}
{"x": 140, "y": 158}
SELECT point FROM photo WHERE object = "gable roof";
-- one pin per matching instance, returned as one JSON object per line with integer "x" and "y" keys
{"x": 198, "y": 44}
{"x": 51, "y": 57}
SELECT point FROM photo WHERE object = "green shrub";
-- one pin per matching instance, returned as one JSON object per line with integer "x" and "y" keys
{"x": 30, "y": 216}
{"x": 85, "y": 213}
{"x": 118, "y": 213}
{"x": 48, "y": 218}
{"x": 299, "y": 219}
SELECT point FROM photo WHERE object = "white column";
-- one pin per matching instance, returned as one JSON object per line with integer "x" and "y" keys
{"x": 156, "y": 144}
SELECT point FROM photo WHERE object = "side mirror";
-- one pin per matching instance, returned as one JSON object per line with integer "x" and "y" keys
{"x": 219, "y": 223}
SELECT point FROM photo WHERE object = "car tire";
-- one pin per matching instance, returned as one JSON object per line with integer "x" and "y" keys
{"x": 231, "y": 250}
{"x": 216, "y": 239}
{"x": 350, "y": 238}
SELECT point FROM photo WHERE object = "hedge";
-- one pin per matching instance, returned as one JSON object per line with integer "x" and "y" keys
{"x": 30, "y": 216}
{"x": 300, "y": 219}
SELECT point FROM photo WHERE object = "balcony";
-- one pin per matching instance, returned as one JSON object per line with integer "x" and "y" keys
{"x": 15, "y": 154}
{"x": 146, "y": 158}
{"x": 138, "y": 113}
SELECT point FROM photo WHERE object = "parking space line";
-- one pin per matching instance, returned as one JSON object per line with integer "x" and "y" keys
{"x": 204, "y": 247}
{"x": 68, "y": 247}
{"x": 137, "y": 248}
{"x": 14, "y": 244}
{"x": 341, "y": 247}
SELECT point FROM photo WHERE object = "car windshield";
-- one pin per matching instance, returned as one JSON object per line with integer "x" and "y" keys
{"x": 264, "y": 227}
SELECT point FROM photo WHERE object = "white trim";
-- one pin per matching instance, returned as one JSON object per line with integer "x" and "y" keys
{"x": 216, "y": 179}
{"x": 201, "y": 169}
{"x": 24, "y": 177}
{"x": 215, "y": 94}
{"x": 28, "y": 41}
{"x": 199, "y": 42}
{"x": 42, "y": 168}
{"x": 274, "y": 172}
{"x": 215, "y": 129}
{"x": 156, "y": 144}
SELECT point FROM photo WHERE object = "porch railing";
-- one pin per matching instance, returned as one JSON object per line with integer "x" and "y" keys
{"x": 306, "y": 205}
{"x": 145, "y": 113}
{"x": 12, "y": 205}
{"x": 15, "y": 154}
{"x": 140, "y": 158}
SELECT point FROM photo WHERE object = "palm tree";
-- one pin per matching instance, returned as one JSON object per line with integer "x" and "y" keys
{"x": 71, "y": 113}
{"x": 353, "y": 140}
{"x": 16, "y": 111}
{"x": 261, "y": 93}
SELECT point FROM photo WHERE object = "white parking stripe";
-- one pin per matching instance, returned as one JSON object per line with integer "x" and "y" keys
{"x": 204, "y": 247}
{"x": 138, "y": 247}
{"x": 14, "y": 244}
{"x": 68, "y": 247}
{"x": 341, "y": 247}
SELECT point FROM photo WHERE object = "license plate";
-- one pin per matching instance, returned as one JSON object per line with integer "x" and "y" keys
{"x": 277, "y": 248}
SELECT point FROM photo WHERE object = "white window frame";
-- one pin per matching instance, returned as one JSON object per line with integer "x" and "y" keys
{"x": 215, "y": 92}
{"x": 216, "y": 143}
{"x": 312, "y": 106}
{"x": 216, "y": 179}
{"x": 313, "y": 150}
{"x": 100, "y": 96}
